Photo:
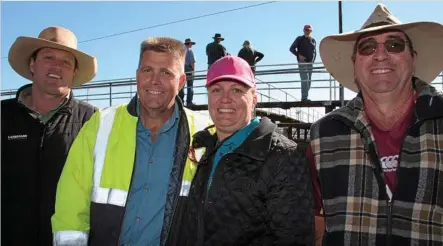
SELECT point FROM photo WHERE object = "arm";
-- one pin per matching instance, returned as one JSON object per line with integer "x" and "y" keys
{"x": 315, "y": 52}
{"x": 294, "y": 46}
{"x": 289, "y": 201}
{"x": 192, "y": 60}
{"x": 225, "y": 53}
{"x": 70, "y": 223}
{"x": 258, "y": 56}
{"x": 318, "y": 207}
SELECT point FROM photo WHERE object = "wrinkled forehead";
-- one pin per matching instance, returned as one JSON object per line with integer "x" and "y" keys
{"x": 382, "y": 35}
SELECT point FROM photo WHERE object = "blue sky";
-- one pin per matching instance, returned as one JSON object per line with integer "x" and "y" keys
{"x": 271, "y": 28}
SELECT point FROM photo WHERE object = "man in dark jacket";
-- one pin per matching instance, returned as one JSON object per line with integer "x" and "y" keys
{"x": 304, "y": 48}
{"x": 251, "y": 186}
{"x": 38, "y": 128}
{"x": 215, "y": 50}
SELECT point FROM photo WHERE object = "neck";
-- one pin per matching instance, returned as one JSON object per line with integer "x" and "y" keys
{"x": 154, "y": 120}
{"x": 222, "y": 135}
{"x": 388, "y": 109}
{"x": 43, "y": 103}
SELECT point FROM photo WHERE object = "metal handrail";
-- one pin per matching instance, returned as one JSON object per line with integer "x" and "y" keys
{"x": 112, "y": 87}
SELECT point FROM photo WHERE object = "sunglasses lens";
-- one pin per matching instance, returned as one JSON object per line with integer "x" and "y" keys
{"x": 367, "y": 48}
{"x": 395, "y": 46}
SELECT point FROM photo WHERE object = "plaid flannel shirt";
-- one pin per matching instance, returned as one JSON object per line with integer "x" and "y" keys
{"x": 357, "y": 208}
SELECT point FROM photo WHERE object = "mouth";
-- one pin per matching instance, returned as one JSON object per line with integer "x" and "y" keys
{"x": 225, "y": 110}
{"x": 381, "y": 70}
{"x": 154, "y": 92}
{"x": 54, "y": 76}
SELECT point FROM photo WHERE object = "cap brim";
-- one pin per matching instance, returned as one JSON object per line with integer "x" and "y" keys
{"x": 336, "y": 51}
{"x": 24, "y": 47}
{"x": 230, "y": 78}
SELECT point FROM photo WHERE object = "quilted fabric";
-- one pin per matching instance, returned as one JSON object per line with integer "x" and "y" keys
{"x": 260, "y": 195}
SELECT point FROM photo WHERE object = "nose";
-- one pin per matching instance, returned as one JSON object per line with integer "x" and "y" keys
{"x": 225, "y": 97}
{"x": 380, "y": 53}
{"x": 152, "y": 78}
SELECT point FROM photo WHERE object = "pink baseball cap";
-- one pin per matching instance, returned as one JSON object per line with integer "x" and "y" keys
{"x": 230, "y": 68}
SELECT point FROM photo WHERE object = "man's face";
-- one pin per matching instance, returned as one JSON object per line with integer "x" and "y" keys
{"x": 53, "y": 71}
{"x": 160, "y": 76}
{"x": 307, "y": 32}
{"x": 230, "y": 105}
{"x": 383, "y": 62}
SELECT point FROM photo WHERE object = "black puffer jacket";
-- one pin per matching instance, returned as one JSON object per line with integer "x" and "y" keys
{"x": 260, "y": 194}
{"x": 33, "y": 157}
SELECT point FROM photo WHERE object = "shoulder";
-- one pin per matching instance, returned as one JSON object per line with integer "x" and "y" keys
{"x": 83, "y": 107}
{"x": 9, "y": 103}
{"x": 282, "y": 147}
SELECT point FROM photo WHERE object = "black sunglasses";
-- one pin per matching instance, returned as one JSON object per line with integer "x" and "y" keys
{"x": 393, "y": 46}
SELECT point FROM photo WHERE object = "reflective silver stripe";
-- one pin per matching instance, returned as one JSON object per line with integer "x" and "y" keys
{"x": 201, "y": 121}
{"x": 70, "y": 238}
{"x": 105, "y": 195}
{"x": 184, "y": 190}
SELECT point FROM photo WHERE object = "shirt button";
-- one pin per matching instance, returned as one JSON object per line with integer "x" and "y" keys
{"x": 150, "y": 161}
{"x": 146, "y": 188}
{"x": 137, "y": 219}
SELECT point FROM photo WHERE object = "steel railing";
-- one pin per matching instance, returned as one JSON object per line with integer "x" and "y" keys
{"x": 275, "y": 83}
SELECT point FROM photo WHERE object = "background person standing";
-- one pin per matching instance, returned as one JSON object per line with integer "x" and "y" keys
{"x": 304, "y": 48}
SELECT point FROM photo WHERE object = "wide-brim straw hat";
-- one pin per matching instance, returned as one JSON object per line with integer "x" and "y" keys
{"x": 427, "y": 38}
{"x": 57, "y": 38}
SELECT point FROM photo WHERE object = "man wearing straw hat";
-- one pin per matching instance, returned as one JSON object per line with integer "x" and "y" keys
{"x": 38, "y": 128}
{"x": 377, "y": 162}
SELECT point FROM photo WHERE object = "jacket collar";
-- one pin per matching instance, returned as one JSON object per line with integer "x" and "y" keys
{"x": 256, "y": 146}
{"x": 429, "y": 105}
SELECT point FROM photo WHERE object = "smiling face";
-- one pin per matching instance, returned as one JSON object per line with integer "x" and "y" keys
{"x": 230, "y": 106}
{"x": 159, "y": 78}
{"x": 53, "y": 71}
{"x": 382, "y": 65}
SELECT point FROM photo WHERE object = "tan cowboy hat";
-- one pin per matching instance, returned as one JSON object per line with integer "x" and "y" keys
{"x": 57, "y": 38}
{"x": 427, "y": 39}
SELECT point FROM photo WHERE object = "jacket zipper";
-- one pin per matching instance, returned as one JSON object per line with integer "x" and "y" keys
{"x": 177, "y": 195}
{"x": 126, "y": 203}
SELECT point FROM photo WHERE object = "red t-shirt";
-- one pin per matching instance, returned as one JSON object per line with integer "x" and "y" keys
{"x": 388, "y": 147}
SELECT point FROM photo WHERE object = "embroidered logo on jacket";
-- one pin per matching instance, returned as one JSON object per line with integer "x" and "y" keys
{"x": 18, "y": 137}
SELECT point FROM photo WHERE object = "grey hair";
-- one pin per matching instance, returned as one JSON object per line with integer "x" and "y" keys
{"x": 164, "y": 44}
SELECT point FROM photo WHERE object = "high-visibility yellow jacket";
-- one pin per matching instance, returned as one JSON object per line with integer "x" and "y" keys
{"x": 93, "y": 187}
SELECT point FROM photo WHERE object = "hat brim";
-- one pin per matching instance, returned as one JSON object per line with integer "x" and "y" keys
{"x": 234, "y": 78}
{"x": 336, "y": 51}
{"x": 193, "y": 43}
{"x": 218, "y": 38}
{"x": 23, "y": 48}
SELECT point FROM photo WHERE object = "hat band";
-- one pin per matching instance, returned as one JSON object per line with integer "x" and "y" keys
{"x": 381, "y": 23}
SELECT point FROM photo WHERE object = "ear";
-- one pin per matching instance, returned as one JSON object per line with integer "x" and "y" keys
{"x": 31, "y": 66}
{"x": 414, "y": 59}
{"x": 254, "y": 99}
{"x": 181, "y": 81}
